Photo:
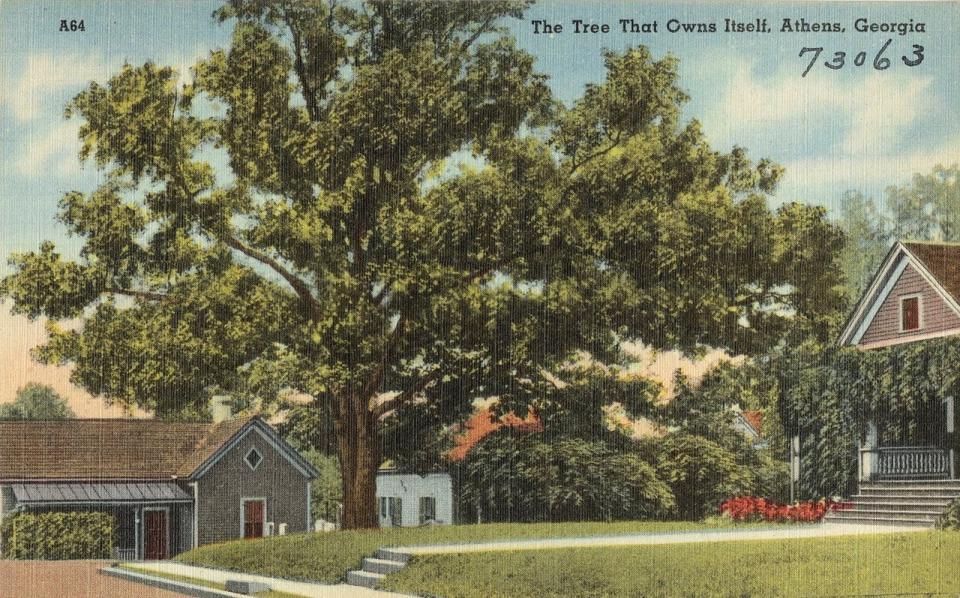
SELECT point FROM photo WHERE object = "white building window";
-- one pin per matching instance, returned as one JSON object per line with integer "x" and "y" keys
{"x": 428, "y": 509}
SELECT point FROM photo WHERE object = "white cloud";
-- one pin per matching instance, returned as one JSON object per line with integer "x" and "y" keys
{"x": 882, "y": 110}
{"x": 872, "y": 113}
{"x": 53, "y": 150}
{"x": 757, "y": 103}
{"x": 44, "y": 75}
{"x": 861, "y": 170}
{"x": 832, "y": 130}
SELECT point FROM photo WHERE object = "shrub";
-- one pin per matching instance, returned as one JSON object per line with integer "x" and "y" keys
{"x": 950, "y": 518}
{"x": 58, "y": 536}
{"x": 583, "y": 480}
{"x": 772, "y": 477}
{"x": 701, "y": 474}
{"x": 523, "y": 479}
{"x": 751, "y": 508}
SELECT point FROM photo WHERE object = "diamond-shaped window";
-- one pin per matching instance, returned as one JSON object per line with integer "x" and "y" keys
{"x": 253, "y": 458}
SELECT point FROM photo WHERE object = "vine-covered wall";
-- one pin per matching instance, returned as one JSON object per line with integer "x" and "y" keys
{"x": 829, "y": 403}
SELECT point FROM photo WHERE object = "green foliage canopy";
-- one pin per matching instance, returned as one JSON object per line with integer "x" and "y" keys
{"x": 925, "y": 209}
{"x": 409, "y": 214}
{"x": 523, "y": 478}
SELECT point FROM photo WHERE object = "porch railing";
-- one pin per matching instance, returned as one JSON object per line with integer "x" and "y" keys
{"x": 912, "y": 461}
{"x": 124, "y": 554}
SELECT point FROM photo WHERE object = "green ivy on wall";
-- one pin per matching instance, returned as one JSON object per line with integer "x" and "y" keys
{"x": 829, "y": 400}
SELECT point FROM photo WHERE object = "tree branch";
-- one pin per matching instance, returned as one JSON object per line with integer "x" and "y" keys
{"x": 309, "y": 95}
{"x": 145, "y": 295}
{"x": 376, "y": 376}
{"x": 476, "y": 34}
{"x": 614, "y": 143}
{"x": 407, "y": 395}
{"x": 299, "y": 286}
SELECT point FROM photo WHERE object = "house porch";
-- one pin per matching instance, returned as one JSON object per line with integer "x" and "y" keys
{"x": 152, "y": 521}
{"x": 926, "y": 451}
{"x": 907, "y": 473}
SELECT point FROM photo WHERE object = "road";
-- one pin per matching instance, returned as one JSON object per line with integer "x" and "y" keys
{"x": 68, "y": 579}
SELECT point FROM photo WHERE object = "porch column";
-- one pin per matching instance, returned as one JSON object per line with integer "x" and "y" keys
{"x": 137, "y": 518}
{"x": 868, "y": 453}
{"x": 951, "y": 439}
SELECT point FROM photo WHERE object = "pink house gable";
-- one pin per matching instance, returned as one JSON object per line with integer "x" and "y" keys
{"x": 919, "y": 274}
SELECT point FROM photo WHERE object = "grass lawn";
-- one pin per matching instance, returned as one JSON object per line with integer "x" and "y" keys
{"x": 327, "y": 557}
{"x": 914, "y": 563}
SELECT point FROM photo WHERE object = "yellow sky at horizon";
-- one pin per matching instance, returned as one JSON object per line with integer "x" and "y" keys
{"x": 18, "y": 335}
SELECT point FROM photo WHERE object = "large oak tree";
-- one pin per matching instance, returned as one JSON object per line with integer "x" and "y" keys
{"x": 384, "y": 204}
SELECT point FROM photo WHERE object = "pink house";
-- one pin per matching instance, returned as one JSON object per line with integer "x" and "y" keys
{"x": 914, "y": 296}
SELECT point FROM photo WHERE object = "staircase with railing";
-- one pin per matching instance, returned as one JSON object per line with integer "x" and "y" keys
{"x": 902, "y": 485}
{"x": 916, "y": 503}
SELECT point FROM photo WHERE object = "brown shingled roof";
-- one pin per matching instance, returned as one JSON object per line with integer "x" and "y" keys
{"x": 942, "y": 260}
{"x": 108, "y": 449}
{"x": 217, "y": 436}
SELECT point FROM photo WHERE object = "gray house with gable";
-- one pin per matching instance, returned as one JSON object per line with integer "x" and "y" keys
{"x": 171, "y": 486}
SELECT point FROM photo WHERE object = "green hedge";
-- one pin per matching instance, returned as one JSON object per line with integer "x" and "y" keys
{"x": 57, "y": 536}
{"x": 950, "y": 518}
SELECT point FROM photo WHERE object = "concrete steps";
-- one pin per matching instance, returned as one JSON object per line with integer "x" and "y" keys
{"x": 914, "y": 503}
{"x": 365, "y": 579}
{"x": 375, "y": 568}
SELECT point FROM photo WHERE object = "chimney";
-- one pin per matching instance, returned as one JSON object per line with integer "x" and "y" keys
{"x": 220, "y": 408}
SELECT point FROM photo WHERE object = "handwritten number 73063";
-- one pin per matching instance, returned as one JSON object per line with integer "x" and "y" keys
{"x": 880, "y": 61}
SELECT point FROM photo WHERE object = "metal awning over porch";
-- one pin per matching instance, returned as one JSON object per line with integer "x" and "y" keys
{"x": 129, "y": 493}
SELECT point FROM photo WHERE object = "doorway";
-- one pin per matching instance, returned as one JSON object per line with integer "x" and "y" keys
{"x": 254, "y": 516}
{"x": 155, "y": 534}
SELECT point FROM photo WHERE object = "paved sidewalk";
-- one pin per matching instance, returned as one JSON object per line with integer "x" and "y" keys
{"x": 309, "y": 590}
{"x": 69, "y": 579}
{"x": 682, "y": 537}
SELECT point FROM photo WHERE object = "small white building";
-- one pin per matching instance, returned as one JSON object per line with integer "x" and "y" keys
{"x": 411, "y": 500}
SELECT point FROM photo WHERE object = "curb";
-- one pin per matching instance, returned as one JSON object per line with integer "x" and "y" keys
{"x": 162, "y": 583}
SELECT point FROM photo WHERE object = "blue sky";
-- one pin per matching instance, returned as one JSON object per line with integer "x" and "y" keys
{"x": 856, "y": 128}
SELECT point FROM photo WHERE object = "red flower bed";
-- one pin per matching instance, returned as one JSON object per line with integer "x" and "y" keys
{"x": 751, "y": 508}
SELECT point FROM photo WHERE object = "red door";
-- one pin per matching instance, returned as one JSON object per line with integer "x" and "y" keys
{"x": 253, "y": 518}
{"x": 154, "y": 535}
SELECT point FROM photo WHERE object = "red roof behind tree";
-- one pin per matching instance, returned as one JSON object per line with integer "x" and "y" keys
{"x": 755, "y": 419}
{"x": 482, "y": 424}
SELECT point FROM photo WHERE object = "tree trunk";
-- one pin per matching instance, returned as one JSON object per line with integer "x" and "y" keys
{"x": 359, "y": 461}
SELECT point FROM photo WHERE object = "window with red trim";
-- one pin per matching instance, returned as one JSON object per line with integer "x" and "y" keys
{"x": 910, "y": 314}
